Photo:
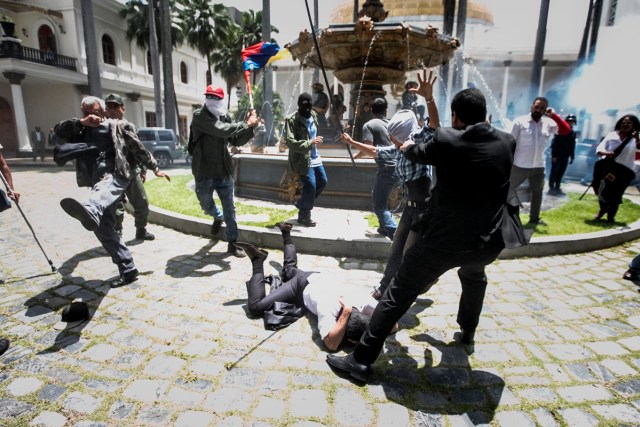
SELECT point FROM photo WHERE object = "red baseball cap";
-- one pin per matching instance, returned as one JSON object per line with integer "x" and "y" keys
{"x": 215, "y": 91}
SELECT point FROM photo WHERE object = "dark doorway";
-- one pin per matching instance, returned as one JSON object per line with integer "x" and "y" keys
{"x": 8, "y": 128}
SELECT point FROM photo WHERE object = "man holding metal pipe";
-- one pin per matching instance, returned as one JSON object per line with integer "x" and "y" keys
{"x": 14, "y": 195}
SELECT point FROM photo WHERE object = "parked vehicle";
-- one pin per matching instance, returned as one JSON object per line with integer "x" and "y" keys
{"x": 162, "y": 143}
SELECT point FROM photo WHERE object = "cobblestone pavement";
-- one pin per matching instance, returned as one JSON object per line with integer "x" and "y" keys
{"x": 557, "y": 344}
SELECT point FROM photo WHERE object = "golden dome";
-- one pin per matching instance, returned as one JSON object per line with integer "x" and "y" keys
{"x": 343, "y": 14}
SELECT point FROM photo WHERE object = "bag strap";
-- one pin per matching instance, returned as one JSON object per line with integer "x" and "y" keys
{"x": 620, "y": 147}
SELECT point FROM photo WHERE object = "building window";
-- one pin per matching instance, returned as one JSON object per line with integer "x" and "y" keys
{"x": 183, "y": 72}
{"x": 108, "y": 50}
{"x": 46, "y": 39}
{"x": 149, "y": 63}
{"x": 150, "y": 119}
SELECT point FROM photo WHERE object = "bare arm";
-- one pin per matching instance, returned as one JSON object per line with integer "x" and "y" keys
{"x": 426, "y": 90}
{"x": 335, "y": 336}
{"x": 370, "y": 150}
{"x": 4, "y": 167}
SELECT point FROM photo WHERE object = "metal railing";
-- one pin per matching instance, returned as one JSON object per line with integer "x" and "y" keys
{"x": 14, "y": 50}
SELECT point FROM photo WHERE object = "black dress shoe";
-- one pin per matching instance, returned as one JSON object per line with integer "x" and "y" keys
{"x": 75, "y": 209}
{"x": 252, "y": 251}
{"x": 215, "y": 227}
{"x": 284, "y": 226}
{"x": 359, "y": 371}
{"x": 143, "y": 234}
{"x": 306, "y": 222}
{"x": 4, "y": 345}
{"x": 236, "y": 251}
{"x": 125, "y": 279}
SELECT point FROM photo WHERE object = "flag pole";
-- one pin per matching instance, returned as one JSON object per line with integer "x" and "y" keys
{"x": 324, "y": 75}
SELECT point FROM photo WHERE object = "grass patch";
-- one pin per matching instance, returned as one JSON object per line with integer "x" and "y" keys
{"x": 176, "y": 197}
{"x": 573, "y": 217}
{"x": 576, "y": 216}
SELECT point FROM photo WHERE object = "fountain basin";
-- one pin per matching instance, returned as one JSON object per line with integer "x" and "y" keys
{"x": 267, "y": 177}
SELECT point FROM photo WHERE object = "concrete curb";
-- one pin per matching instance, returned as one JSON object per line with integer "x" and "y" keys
{"x": 378, "y": 248}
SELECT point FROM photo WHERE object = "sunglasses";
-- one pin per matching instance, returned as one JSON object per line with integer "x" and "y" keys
{"x": 213, "y": 97}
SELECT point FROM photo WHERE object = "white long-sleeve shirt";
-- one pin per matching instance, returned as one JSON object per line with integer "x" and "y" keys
{"x": 611, "y": 141}
{"x": 531, "y": 140}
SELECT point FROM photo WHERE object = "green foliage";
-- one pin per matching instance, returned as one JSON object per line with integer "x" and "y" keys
{"x": 576, "y": 216}
{"x": 136, "y": 13}
{"x": 176, "y": 197}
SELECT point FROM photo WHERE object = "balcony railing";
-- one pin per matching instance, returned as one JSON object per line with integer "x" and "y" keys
{"x": 9, "y": 49}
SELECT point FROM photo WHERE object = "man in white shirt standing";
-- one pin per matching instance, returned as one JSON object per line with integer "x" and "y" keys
{"x": 532, "y": 132}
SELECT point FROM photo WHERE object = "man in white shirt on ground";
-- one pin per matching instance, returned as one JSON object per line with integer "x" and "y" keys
{"x": 532, "y": 132}
{"x": 343, "y": 312}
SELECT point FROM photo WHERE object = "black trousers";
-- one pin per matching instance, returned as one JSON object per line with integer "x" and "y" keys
{"x": 290, "y": 290}
{"x": 420, "y": 266}
{"x": 558, "y": 168}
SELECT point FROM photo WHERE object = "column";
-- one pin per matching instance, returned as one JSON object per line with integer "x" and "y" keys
{"x": 544, "y": 66}
{"x": 505, "y": 87}
{"x": 24, "y": 143}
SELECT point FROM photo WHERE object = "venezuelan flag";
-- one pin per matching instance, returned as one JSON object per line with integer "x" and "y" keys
{"x": 257, "y": 55}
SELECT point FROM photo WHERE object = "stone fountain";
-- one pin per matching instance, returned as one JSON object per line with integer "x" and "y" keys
{"x": 371, "y": 53}
{"x": 367, "y": 54}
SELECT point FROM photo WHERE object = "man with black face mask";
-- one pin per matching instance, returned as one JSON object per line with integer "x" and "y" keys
{"x": 301, "y": 135}
{"x": 531, "y": 132}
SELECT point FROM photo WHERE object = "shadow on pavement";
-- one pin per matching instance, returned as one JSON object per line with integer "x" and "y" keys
{"x": 199, "y": 263}
{"x": 450, "y": 388}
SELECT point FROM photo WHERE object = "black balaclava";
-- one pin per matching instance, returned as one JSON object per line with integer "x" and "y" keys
{"x": 304, "y": 105}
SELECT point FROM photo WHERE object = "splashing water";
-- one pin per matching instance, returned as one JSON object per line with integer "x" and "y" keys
{"x": 364, "y": 71}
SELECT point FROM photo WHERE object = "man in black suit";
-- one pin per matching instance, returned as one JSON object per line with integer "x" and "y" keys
{"x": 473, "y": 162}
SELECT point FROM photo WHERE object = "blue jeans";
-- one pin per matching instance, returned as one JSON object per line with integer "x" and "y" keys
{"x": 312, "y": 186}
{"x": 224, "y": 187}
{"x": 384, "y": 183}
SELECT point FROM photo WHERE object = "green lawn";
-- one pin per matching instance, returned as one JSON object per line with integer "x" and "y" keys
{"x": 573, "y": 217}
{"x": 175, "y": 196}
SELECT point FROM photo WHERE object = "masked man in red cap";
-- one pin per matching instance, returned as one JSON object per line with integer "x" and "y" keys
{"x": 212, "y": 166}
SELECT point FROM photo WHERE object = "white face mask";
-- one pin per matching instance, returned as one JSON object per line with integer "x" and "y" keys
{"x": 216, "y": 107}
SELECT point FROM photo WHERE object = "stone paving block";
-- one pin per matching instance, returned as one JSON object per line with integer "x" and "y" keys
{"x": 154, "y": 415}
{"x": 575, "y": 417}
{"x": 120, "y": 409}
{"x": 227, "y": 399}
{"x": 51, "y": 392}
{"x": 538, "y": 394}
{"x": 632, "y": 343}
{"x": 181, "y": 396}
{"x": 101, "y": 352}
{"x": 146, "y": 391}
{"x": 485, "y": 353}
{"x": 568, "y": 351}
{"x": 544, "y": 418}
{"x": 242, "y": 377}
{"x": 584, "y": 393}
{"x": 308, "y": 403}
{"x": 12, "y": 408}
{"x": 607, "y": 348}
{"x": 392, "y": 415}
{"x": 618, "y": 412}
{"x": 81, "y": 402}
{"x": 206, "y": 368}
{"x": 628, "y": 388}
{"x": 351, "y": 409}
{"x": 49, "y": 419}
{"x": 514, "y": 418}
{"x": 164, "y": 366}
{"x": 23, "y": 386}
{"x": 618, "y": 367}
{"x": 270, "y": 408}
{"x": 194, "y": 419}
{"x": 199, "y": 348}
